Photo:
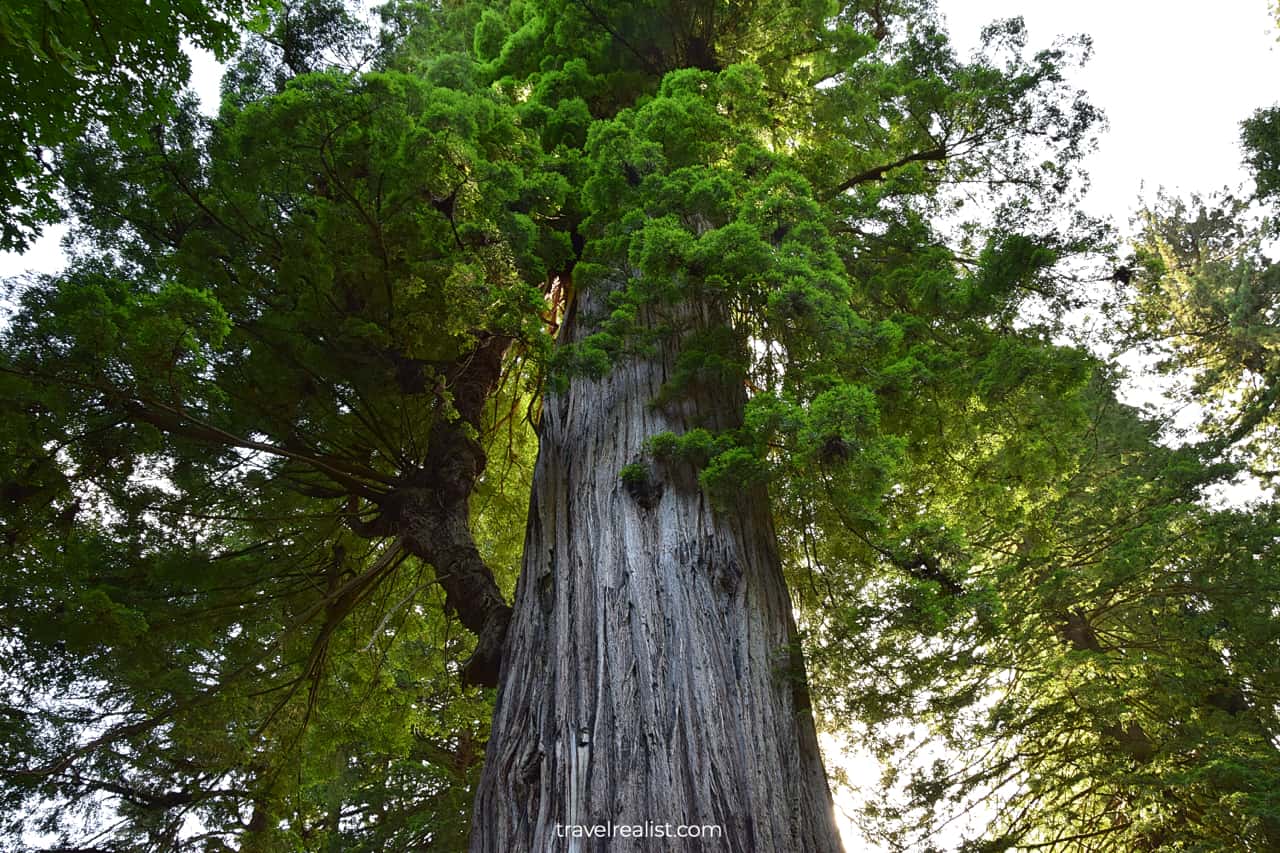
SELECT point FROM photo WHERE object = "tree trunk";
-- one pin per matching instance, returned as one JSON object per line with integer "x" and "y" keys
{"x": 652, "y": 675}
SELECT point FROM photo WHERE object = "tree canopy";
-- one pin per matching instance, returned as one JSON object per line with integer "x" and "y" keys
{"x": 267, "y": 443}
{"x": 70, "y": 66}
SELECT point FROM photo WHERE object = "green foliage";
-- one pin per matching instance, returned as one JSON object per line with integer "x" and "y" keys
{"x": 1062, "y": 629}
{"x": 258, "y": 341}
{"x": 634, "y": 474}
{"x": 1261, "y": 139}
{"x": 1204, "y": 296}
{"x": 1204, "y": 299}
{"x": 67, "y": 67}
{"x": 295, "y": 38}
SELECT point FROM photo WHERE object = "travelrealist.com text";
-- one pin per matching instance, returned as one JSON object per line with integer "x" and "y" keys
{"x": 648, "y": 829}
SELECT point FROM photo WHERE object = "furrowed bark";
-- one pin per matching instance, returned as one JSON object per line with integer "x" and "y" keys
{"x": 652, "y": 674}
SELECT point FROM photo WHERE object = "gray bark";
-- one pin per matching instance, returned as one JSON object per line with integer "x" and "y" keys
{"x": 651, "y": 673}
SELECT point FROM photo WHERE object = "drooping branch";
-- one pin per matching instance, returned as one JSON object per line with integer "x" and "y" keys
{"x": 152, "y": 800}
{"x": 358, "y": 479}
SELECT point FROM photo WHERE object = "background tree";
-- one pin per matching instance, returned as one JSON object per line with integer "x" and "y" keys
{"x": 1206, "y": 296}
{"x": 1089, "y": 654}
{"x": 1068, "y": 616}
{"x": 287, "y": 330}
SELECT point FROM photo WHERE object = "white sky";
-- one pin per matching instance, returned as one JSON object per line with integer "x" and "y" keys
{"x": 1175, "y": 80}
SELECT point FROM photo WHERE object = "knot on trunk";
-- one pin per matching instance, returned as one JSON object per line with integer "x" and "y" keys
{"x": 1077, "y": 630}
{"x": 641, "y": 484}
{"x": 1132, "y": 740}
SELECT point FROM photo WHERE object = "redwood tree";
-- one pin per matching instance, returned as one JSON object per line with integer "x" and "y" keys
{"x": 711, "y": 345}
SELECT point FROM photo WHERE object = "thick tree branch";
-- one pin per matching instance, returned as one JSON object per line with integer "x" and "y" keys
{"x": 935, "y": 154}
{"x": 430, "y": 511}
{"x": 155, "y": 800}
{"x": 441, "y": 535}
